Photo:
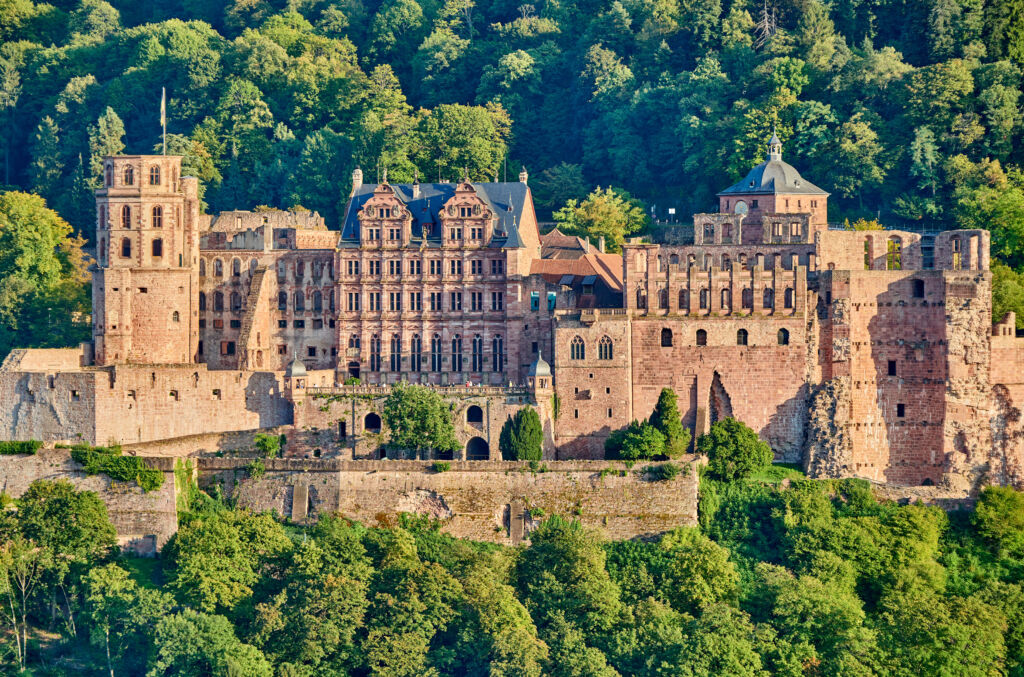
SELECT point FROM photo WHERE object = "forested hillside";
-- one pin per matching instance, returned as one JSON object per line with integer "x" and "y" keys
{"x": 817, "y": 579}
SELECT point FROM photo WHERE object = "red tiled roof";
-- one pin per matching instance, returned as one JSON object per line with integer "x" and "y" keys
{"x": 606, "y": 266}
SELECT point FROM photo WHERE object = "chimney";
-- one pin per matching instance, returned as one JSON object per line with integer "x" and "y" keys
{"x": 357, "y": 180}
{"x": 586, "y": 250}
{"x": 600, "y": 244}
{"x": 523, "y": 176}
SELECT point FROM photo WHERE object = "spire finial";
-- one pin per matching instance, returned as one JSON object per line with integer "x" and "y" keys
{"x": 385, "y": 178}
{"x": 774, "y": 146}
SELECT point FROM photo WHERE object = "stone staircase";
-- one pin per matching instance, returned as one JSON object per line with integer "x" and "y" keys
{"x": 246, "y": 358}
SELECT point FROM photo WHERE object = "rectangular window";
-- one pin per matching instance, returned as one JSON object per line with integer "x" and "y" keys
{"x": 416, "y": 301}
{"x": 551, "y": 300}
{"x": 227, "y": 347}
{"x": 476, "y": 301}
{"x": 465, "y": 212}
{"x": 892, "y": 367}
{"x": 353, "y": 267}
{"x": 218, "y": 324}
{"x": 202, "y": 324}
{"x": 299, "y": 324}
{"x": 385, "y": 212}
{"x": 476, "y": 233}
{"x": 394, "y": 267}
{"x": 435, "y": 267}
{"x": 318, "y": 324}
{"x": 497, "y": 267}
{"x": 353, "y": 301}
{"x": 282, "y": 349}
{"x": 282, "y": 324}
{"x": 236, "y": 324}
{"x": 753, "y": 204}
{"x": 435, "y": 301}
{"x": 415, "y": 267}
{"x": 395, "y": 301}
{"x": 456, "y": 301}
{"x": 497, "y": 300}
{"x": 374, "y": 267}
{"x": 375, "y": 302}
{"x": 534, "y": 300}
{"x": 901, "y": 410}
{"x": 476, "y": 267}
{"x": 455, "y": 233}
{"x": 311, "y": 351}
{"x": 455, "y": 267}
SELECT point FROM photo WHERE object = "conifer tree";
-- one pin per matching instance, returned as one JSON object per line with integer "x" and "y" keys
{"x": 667, "y": 419}
{"x": 522, "y": 438}
{"x": 106, "y": 137}
{"x": 46, "y": 167}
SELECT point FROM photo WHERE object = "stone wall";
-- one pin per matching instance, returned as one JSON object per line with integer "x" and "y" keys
{"x": 490, "y": 501}
{"x": 144, "y": 521}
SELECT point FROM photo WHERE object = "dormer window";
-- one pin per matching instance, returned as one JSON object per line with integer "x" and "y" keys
{"x": 465, "y": 212}
{"x": 385, "y": 212}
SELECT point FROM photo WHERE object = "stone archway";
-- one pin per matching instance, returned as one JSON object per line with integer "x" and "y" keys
{"x": 477, "y": 449}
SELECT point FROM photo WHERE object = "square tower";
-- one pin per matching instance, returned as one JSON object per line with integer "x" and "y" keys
{"x": 145, "y": 286}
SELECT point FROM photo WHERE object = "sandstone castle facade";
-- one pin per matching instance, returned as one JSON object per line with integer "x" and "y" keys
{"x": 868, "y": 354}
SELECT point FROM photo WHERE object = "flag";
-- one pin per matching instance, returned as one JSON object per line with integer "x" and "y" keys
{"x": 163, "y": 106}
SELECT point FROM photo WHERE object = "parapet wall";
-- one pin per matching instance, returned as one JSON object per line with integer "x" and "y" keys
{"x": 488, "y": 500}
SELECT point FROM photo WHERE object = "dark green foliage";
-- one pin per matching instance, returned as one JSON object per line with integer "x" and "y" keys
{"x": 111, "y": 462}
{"x": 269, "y": 445}
{"x": 440, "y": 466}
{"x": 734, "y": 451}
{"x": 637, "y": 441}
{"x": 522, "y": 438}
{"x": 28, "y": 448}
{"x": 418, "y": 418}
{"x": 666, "y": 418}
{"x": 662, "y": 472}
{"x": 999, "y": 518}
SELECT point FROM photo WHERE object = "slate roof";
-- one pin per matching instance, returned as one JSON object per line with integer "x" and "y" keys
{"x": 506, "y": 199}
{"x": 773, "y": 176}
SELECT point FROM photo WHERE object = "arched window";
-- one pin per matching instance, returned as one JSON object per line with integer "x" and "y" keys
{"x": 726, "y": 262}
{"x": 435, "y": 352}
{"x": 218, "y": 268}
{"x": 218, "y": 302}
{"x": 498, "y": 352}
{"x": 783, "y": 337}
{"x": 641, "y": 298}
{"x": 282, "y": 300}
{"x": 684, "y": 299}
{"x": 318, "y": 302}
{"x": 457, "y": 353}
{"x": 126, "y": 216}
{"x": 102, "y": 251}
{"x": 236, "y": 302}
{"x": 747, "y": 297}
{"x": 129, "y": 175}
{"x": 474, "y": 414}
{"x": 236, "y": 267}
{"x": 103, "y": 216}
{"x": 726, "y": 299}
{"x": 300, "y": 301}
{"x": 175, "y": 317}
{"x": 604, "y": 348}
{"x": 478, "y": 352}
{"x": 158, "y": 247}
{"x": 374, "y": 353}
{"x": 577, "y": 349}
{"x": 202, "y": 301}
{"x": 956, "y": 247}
{"x": 867, "y": 253}
{"x": 702, "y": 337}
{"x": 709, "y": 233}
{"x": 396, "y": 352}
{"x": 741, "y": 337}
{"x": 108, "y": 176}
{"x": 154, "y": 175}
{"x": 663, "y": 299}
{"x": 894, "y": 254}
{"x": 416, "y": 354}
{"x": 353, "y": 341}
{"x": 202, "y": 267}
{"x": 666, "y": 338}
{"x": 787, "y": 300}
{"x": 705, "y": 296}
{"x": 371, "y": 423}
{"x": 126, "y": 248}
{"x": 769, "y": 297}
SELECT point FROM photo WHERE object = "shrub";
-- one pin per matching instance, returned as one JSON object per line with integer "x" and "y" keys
{"x": 666, "y": 418}
{"x": 441, "y": 466}
{"x": 643, "y": 443}
{"x": 111, "y": 462}
{"x": 999, "y": 518}
{"x": 734, "y": 451}
{"x": 268, "y": 445}
{"x": 663, "y": 472}
{"x": 256, "y": 469}
{"x": 13, "y": 448}
{"x": 522, "y": 438}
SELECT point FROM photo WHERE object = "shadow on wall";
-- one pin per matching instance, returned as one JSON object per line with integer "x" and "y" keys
{"x": 263, "y": 396}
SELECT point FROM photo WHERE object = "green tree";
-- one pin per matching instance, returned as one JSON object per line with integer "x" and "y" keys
{"x": 47, "y": 164}
{"x": 1007, "y": 293}
{"x": 106, "y": 137}
{"x": 610, "y": 213}
{"x": 697, "y": 573}
{"x": 418, "y": 418}
{"x": 669, "y": 422}
{"x": 453, "y": 139}
{"x": 192, "y": 643}
{"x": 522, "y": 437}
{"x": 557, "y": 185}
{"x": 734, "y": 451}
{"x": 999, "y": 519}
{"x": 647, "y": 442}
{"x": 23, "y": 566}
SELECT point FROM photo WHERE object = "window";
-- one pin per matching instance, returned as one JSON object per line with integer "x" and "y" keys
{"x": 158, "y": 216}
{"x": 416, "y": 301}
{"x": 227, "y": 347}
{"x": 416, "y": 353}
{"x": 435, "y": 267}
{"x": 663, "y": 299}
{"x": 684, "y": 299}
{"x": 395, "y": 301}
{"x": 551, "y": 300}
{"x": 705, "y": 297}
{"x": 787, "y": 300}
{"x": 666, "y": 337}
{"x": 282, "y": 324}
{"x": 129, "y": 176}
{"x": 202, "y": 267}
{"x": 126, "y": 216}
{"x": 747, "y": 297}
{"x": 435, "y": 301}
{"x": 318, "y": 302}
{"x": 783, "y": 337}
{"x": 236, "y": 324}
{"x": 534, "y": 300}
{"x": 753, "y": 204}
{"x": 236, "y": 302}
{"x": 415, "y": 267}
{"x": 476, "y": 267}
{"x": 175, "y": 316}
{"x": 901, "y": 410}
{"x": 497, "y": 300}
{"x": 154, "y": 175}
{"x": 300, "y": 302}
{"x": 741, "y": 337}
{"x": 795, "y": 229}
{"x": 456, "y": 301}
{"x": 374, "y": 353}
{"x": 604, "y": 348}
{"x": 957, "y": 254}
{"x": 455, "y": 267}
{"x": 202, "y": 301}
{"x": 374, "y": 297}
{"x": 158, "y": 247}
{"x": 236, "y": 267}
{"x": 282, "y": 300}
{"x": 769, "y": 297}
{"x": 353, "y": 301}
{"x": 353, "y": 267}
{"x": 892, "y": 367}
{"x": 894, "y": 254}
{"x": 702, "y": 337}
{"x": 577, "y": 349}
{"x": 311, "y": 351}
{"x": 374, "y": 267}
{"x": 353, "y": 341}
{"x": 218, "y": 268}
{"x": 455, "y": 233}
{"x": 498, "y": 351}
{"x": 726, "y": 299}
{"x": 478, "y": 352}
{"x": 396, "y": 353}
{"x": 394, "y": 267}
{"x": 918, "y": 289}
{"x": 298, "y": 324}
{"x": 476, "y": 301}
{"x": 497, "y": 267}
{"x": 126, "y": 248}
{"x": 218, "y": 302}
{"x": 457, "y": 353}
{"x": 435, "y": 352}
{"x": 108, "y": 176}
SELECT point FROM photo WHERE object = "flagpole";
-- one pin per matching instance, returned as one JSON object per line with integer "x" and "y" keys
{"x": 163, "y": 115}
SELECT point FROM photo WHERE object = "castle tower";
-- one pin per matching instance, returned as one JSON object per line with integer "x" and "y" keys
{"x": 145, "y": 286}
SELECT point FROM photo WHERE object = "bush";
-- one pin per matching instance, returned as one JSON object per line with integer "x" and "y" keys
{"x": 734, "y": 451}
{"x": 269, "y": 445}
{"x": 256, "y": 469}
{"x": 14, "y": 448}
{"x": 999, "y": 518}
{"x": 522, "y": 438}
{"x": 663, "y": 472}
{"x": 642, "y": 443}
{"x": 440, "y": 466}
{"x": 666, "y": 418}
{"x": 111, "y": 462}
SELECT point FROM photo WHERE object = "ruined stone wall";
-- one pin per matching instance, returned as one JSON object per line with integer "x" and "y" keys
{"x": 144, "y": 521}
{"x": 489, "y": 501}
{"x": 866, "y": 249}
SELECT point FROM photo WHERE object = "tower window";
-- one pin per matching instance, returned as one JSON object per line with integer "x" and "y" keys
{"x": 783, "y": 337}
{"x": 129, "y": 176}
{"x": 158, "y": 247}
{"x": 126, "y": 248}
{"x": 892, "y": 367}
{"x": 666, "y": 338}
{"x": 126, "y": 217}
{"x": 154, "y": 175}
{"x": 741, "y": 337}
{"x": 901, "y": 410}
{"x": 158, "y": 216}
{"x": 175, "y": 317}
{"x": 577, "y": 349}
{"x": 702, "y": 337}
{"x": 918, "y": 289}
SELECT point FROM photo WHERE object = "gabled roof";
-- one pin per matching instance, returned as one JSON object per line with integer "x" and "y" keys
{"x": 558, "y": 245}
{"x": 506, "y": 200}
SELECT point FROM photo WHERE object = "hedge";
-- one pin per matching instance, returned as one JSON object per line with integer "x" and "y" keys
{"x": 110, "y": 462}
{"x": 13, "y": 448}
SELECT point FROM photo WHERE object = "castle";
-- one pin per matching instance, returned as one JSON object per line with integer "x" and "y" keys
{"x": 868, "y": 354}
